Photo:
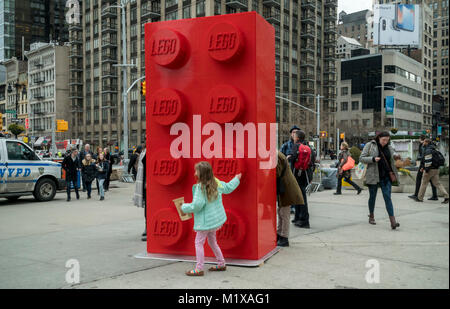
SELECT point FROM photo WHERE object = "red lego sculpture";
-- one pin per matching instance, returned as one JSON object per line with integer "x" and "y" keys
{"x": 204, "y": 74}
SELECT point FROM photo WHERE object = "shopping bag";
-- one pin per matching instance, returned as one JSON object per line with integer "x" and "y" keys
{"x": 361, "y": 170}
{"x": 178, "y": 203}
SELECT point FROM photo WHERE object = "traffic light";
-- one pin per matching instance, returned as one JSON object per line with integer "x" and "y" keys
{"x": 143, "y": 88}
{"x": 1, "y": 122}
{"x": 341, "y": 138}
{"x": 62, "y": 125}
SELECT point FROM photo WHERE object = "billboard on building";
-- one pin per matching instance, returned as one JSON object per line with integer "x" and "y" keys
{"x": 397, "y": 24}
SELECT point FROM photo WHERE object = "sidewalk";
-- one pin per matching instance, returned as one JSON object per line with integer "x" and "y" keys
{"x": 36, "y": 240}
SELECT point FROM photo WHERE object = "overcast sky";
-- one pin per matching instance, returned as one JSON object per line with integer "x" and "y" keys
{"x": 351, "y": 6}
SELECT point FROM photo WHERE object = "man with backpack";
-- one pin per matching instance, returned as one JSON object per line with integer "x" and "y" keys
{"x": 434, "y": 197}
{"x": 431, "y": 161}
{"x": 303, "y": 159}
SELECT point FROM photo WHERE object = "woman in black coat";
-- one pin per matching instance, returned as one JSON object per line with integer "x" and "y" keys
{"x": 88, "y": 172}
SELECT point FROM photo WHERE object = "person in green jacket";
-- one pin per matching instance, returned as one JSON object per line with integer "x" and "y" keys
{"x": 209, "y": 213}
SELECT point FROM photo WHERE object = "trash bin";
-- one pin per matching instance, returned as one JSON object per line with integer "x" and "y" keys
{"x": 329, "y": 178}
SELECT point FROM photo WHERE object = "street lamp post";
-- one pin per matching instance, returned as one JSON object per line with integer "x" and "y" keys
{"x": 124, "y": 65}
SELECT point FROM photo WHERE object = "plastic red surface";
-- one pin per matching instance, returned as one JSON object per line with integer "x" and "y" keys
{"x": 223, "y": 69}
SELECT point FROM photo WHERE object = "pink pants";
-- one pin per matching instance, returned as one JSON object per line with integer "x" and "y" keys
{"x": 212, "y": 241}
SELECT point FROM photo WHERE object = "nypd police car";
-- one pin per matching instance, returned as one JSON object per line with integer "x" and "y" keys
{"x": 22, "y": 172}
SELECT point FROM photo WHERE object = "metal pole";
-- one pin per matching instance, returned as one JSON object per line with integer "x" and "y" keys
{"x": 318, "y": 127}
{"x": 124, "y": 86}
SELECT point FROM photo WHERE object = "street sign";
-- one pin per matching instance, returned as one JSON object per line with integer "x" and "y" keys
{"x": 10, "y": 111}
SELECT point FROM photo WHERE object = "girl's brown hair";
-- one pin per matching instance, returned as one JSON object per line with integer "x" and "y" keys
{"x": 345, "y": 145}
{"x": 207, "y": 180}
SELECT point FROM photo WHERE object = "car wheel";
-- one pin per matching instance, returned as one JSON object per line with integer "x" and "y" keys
{"x": 45, "y": 190}
{"x": 13, "y": 198}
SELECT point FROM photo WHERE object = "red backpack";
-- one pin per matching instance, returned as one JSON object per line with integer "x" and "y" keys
{"x": 304, "y": 158}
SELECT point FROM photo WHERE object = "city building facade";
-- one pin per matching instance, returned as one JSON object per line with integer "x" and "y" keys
{"x": 305, "y": 34}
{"x": 355, "y": 26}
{"x": 434, "y": 54}
{"x": 26, "y": 22}
{"x": 48, "y": 89}
{"x": 344, "y": 47}
{"x": 365, "y": 82}
{"x": 16, "y": 95}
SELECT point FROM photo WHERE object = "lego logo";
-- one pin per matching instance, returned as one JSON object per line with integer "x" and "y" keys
{"x": 164, "y": 47}
{"x": 220, "y": 41}
{"x": 166, "y": 228}
{"x": 225, "y": 103}
{"x": 168, "y": 48}
{"x": 166, "y": 106}
{"x": 232, "y": 232}
{"x": 225, "y": 168}
{"x": 225, "y": 42}
{"x": 164, "y": 169}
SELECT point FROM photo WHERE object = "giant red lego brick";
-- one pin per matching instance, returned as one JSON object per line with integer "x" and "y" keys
{"x": 204, "y": 76}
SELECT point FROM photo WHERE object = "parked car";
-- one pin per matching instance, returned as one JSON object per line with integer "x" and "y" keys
{"x": 22, "y": 172}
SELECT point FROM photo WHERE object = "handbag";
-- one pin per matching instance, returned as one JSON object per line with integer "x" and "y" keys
{"x": 392, "y": 175}
{"x": 349, "y": 164}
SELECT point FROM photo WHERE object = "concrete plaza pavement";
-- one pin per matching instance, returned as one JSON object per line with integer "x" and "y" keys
{"x": 37, "y": 239}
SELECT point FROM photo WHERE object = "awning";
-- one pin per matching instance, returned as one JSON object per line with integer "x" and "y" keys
{"x": 39, "y": 141}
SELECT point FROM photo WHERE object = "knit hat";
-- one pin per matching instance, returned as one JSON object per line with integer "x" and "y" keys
{"x": 294, "y": 128}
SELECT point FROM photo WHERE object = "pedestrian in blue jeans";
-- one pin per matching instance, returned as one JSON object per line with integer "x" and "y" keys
{"x": 102, "y": 171}
{"x": 378, "y": 154}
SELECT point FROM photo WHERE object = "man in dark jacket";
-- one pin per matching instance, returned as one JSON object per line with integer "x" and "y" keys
{"x": 110, "y": 160}
{"x": 71, "y": 164}
{"x": 133, "y": 164}
{"x": 434, "y": 197}
{"x": 287, "y": 149}
{"x": 431, "y": 171}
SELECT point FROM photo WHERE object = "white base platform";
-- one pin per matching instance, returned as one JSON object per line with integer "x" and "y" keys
{"x": 208, "y": 260}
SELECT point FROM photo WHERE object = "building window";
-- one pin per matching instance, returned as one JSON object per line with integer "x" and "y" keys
{"x": 344, "y": 91}
{"x": 344, "y": 106}
{"x": 355, "y": 105}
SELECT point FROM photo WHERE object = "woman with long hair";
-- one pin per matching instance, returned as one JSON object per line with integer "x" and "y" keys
{"x": 381, "y": 172}
{"x": 102, "y": 170}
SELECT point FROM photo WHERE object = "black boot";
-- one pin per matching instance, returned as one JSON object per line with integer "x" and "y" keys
{"x": 433, "y": 198}
{"x": 283, "y": 242}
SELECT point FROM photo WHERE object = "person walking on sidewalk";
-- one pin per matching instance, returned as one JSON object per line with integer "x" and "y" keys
{"x": 343, "y": 158}
{"x": 288, "y": 193}
{"x": 110, "y": 160}
{"x": 431, "y": 161}
{"x": 71, "y": 164}
{"x": 140, "y": 193}
{"x": 419, "y": 176}
{"x": 88, "y": 172}
{"x": 134, "y": 161}
{"x": 304, "y": 155}
{"x": 209, "y": 213}
{"x": 287, "y": 149}
{"x": 83, "y": 153}
{"x": 102, "y": 171}
{"x": 381, "y": 172}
